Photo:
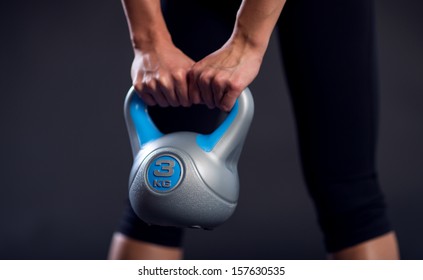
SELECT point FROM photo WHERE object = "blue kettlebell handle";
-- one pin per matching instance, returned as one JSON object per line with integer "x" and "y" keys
{"x": 142, "y": 129}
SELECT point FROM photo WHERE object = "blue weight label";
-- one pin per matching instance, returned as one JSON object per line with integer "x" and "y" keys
{"x": 164, "y": 173}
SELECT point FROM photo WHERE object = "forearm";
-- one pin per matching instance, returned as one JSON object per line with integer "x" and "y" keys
{"x": 146, "y": 23}
{"x": 255, "y": 22}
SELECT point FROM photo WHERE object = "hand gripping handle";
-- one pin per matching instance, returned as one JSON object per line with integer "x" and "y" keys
{"x": 223, "y": 141}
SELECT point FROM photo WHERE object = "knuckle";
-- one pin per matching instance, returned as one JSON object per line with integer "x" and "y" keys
{"x": 218, "y": 85}
{"x": 236, "y": 85}
{"x": 220, "y": 79}
{"x": 164, "y": 82}
{"x": 149, "y": 85}
{"x": 179, "y": 75}
{"x": 203, "y": 79}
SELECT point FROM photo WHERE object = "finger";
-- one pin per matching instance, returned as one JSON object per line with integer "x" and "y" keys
{"x": 228, "y": 100}
{"x": 159, "y": 98}
{"x": 168, "y": 92}
{"x": 153, "y": 89}
{"x": 218, "y": 88}
{"x": 143, "y": 94}
{"x": 193, "y": 90}
{"x": 204, "y": 84}
{"x": 182, "y": 95}
{"x": 181, "y": 90}
{"x": 148, "y": 99}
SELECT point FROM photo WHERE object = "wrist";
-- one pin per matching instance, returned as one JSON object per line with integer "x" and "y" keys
{"x": 246, "y": 44}
{"x": 150, "y": 39}
{"x": 248, "y": 40}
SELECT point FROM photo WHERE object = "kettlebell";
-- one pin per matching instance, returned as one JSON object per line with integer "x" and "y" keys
{"x": 185, "y": 179}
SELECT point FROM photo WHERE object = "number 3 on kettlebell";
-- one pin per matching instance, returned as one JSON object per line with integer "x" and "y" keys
{"x": 166, "y": 168}
{"x": 164, "y": 173}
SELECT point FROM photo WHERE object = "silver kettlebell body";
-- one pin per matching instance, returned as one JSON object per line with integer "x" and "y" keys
{"x": 185, "y": 179}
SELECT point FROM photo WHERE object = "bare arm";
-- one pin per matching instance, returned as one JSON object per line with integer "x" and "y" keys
{"x": 159, "y": 68}
{"x": 218, "y": 79}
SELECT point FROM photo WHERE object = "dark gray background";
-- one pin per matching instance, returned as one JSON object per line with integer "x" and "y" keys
{"x": 65, "y": 156}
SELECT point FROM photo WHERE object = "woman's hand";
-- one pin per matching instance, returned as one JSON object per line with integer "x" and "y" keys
{"x": 159, "y": 69}
{"x": 218, "y": 79}
{"x": 159, "y": 75}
